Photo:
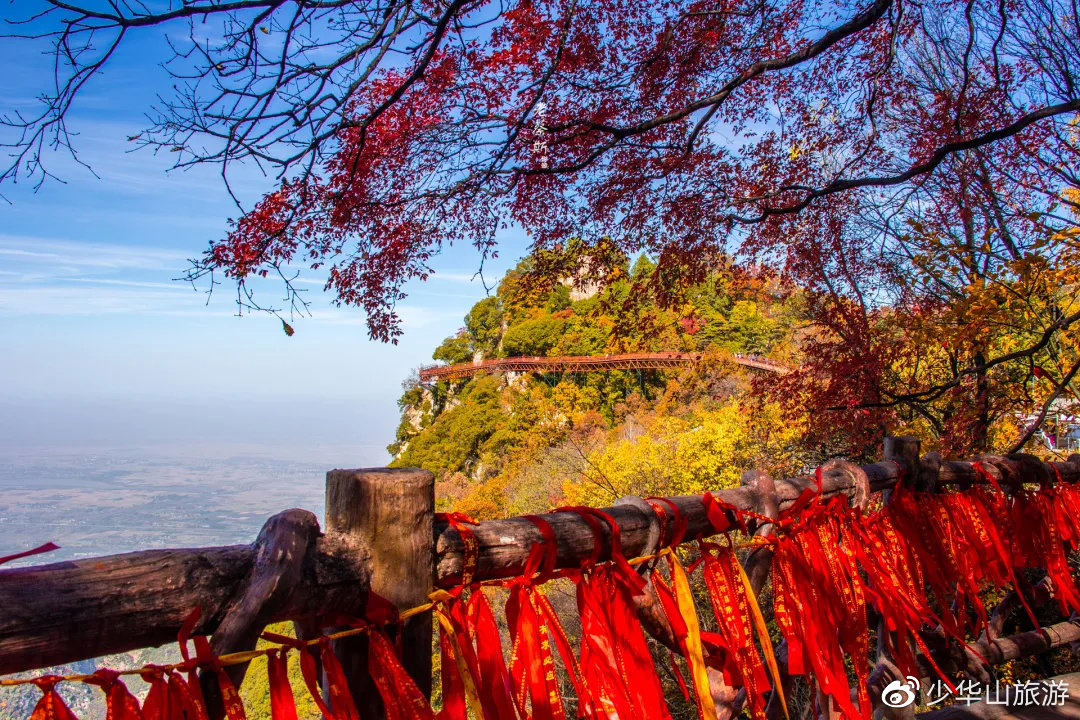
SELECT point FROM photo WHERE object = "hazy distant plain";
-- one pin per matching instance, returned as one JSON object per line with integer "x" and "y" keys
{"x": 97, "y": 501}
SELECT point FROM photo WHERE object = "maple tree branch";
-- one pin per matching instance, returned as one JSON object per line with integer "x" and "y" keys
{"x": 1035, "y": 426}
{"x": 418, "y": 72}
{"x": 861, "y": 21}
{"x": 936, "y": 391}
{"x": 914, "y": 170}
{"x": 393, "y": 129}
{"x": 263, "y": 100}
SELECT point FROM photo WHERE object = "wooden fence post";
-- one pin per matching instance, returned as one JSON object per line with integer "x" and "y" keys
{"x": 390, "y": 511}
{"x": 904, "y": 451}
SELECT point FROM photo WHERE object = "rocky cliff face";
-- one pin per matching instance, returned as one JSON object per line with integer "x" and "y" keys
{"x": 580, "y": 290}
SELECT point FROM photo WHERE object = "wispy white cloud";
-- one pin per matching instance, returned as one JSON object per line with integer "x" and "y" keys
{"x": 456, "y": 277}
{"x": 48, "y": 276}
{"x": 52, "y": 252}
{"x": 422, "y": 287}
{"x": 413, "y": 317}
{"x": 12, "y": 101}
{"x": 418, "y": 316}
{"x": 425, "y": 293}
{"x": 78, "y": 301}
{"x": 124, "y": 283}
{"x": 45, "y": 276}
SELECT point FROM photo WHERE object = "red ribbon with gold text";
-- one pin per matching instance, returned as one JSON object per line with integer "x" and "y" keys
{"x": 615, "y": 659}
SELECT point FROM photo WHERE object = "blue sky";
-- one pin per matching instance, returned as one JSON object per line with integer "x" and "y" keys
{"x": 102, "y": 347}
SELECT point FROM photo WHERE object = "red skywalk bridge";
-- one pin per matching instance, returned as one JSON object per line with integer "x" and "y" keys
{"x": 585, "y": 363}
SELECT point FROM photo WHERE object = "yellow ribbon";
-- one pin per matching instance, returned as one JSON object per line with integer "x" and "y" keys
{"x": 695, "y": 655}
{"x": 763, "y": 635}
{"x": 467, "y": 680}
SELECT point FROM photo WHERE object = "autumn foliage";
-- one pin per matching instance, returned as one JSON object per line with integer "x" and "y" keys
{"x": 907, "y": 175}
{"x": 906, "y": 165}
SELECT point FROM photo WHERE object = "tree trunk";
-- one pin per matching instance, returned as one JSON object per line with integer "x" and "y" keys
{"x": 980, "y": 428}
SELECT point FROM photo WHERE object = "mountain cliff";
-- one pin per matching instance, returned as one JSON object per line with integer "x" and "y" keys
{"x": 509, "y": 443}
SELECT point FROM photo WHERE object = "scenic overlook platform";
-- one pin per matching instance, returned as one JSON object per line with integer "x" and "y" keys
{"x": 585, "y": 363}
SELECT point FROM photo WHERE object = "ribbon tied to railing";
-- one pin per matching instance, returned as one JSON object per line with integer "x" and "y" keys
{"x": 828, "y": 562}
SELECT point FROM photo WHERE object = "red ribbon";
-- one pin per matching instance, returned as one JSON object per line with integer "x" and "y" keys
{"x": 894, "y": 586}
{"x": 739, "y": 661}
{"x": 401, "y": 697}
{"x": 308, "y": 670}
{"x": 723, "y": 516}
{"x": 282, "y": 702}
{"x": 207, "y": 661}
{"x": 495, "y": 687}
{"x": 47, "y": 547}
{"x": 453, "y": 692}
{"x": 914, "y": 517}
{"x": 820, "y": 604}
{"x": 679, "y": 521}
{"x": 191, "y": 688}
{"x": 472, "y": 646}
{"x": 679, "y": 676}
{"x": 532, "y": 662}
{"x": 157, "y": 705}
{"x": 51, "y": 706}
{"x": 169, "y": 697}
{"x": 615, "y": 659}
{"x": 119, "y": 703}
{"x": 626, "y": 571}
{"x": 461, "y": 522}
{"x": 1043, "y": 544}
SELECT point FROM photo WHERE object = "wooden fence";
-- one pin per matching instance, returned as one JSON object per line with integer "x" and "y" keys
{"x": 382, "y": 535}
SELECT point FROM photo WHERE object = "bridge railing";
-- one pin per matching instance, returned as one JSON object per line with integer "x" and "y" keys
{"x": 586, "y": 363}
{"x": 382, "y": 535}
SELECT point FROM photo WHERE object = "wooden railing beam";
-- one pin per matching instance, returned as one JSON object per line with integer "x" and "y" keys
{"x": 505, "y": 544}
{"x": 58, "y": 613}
{"x": 67, "y": 611}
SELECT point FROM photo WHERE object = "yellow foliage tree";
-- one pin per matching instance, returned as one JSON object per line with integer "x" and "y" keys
{"x": 704, "y": 450}
{"x": 1004, "y": 312}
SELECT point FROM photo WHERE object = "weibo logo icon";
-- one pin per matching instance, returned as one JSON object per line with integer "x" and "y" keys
{"x": 900, "y": 693}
